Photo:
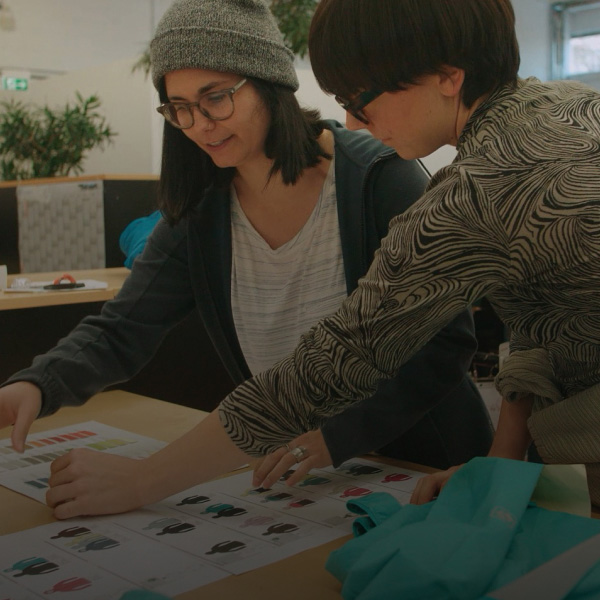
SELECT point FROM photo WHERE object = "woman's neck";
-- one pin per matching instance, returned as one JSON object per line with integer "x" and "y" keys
{"x": 255, "y": 181}
{"x": 463, "y": 116}
{"x": 254, "y": 178}
{"x": 277, "y": 210}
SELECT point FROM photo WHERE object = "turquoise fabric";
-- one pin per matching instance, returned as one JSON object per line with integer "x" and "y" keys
{"x": 481, "y": 533}
{"x": 134, "y": 236}
{"x": 374, "y": 508}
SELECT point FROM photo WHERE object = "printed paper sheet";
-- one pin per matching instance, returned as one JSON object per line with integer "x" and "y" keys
{"x": 191, "y": 539}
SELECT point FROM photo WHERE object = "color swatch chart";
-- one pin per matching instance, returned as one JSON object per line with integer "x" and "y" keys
{"x": 27, "y": 472}
{"x": 190, "y": 539}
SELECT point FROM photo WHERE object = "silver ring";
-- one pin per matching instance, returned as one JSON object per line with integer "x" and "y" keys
{"x": 299, "y": 452}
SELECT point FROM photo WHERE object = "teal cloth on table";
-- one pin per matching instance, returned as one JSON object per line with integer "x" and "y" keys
{"x": 481, "y": 533}
{"x": 133, "y": 238}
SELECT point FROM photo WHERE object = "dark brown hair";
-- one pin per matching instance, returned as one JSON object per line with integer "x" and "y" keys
{"x": 357, "y": 45}
{"x": 187, "y": 172}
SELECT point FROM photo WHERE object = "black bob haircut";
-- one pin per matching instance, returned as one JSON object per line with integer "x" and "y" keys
{"x": 357, "y": 45}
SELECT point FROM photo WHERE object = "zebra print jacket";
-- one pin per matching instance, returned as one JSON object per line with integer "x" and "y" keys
{"x": 515, "y": 218}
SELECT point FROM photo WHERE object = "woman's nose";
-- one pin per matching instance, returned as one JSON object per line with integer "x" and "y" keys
{"x": 201, "y": 121}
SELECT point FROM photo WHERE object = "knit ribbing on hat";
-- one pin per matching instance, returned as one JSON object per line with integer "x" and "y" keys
{"x": 232, "y": 36}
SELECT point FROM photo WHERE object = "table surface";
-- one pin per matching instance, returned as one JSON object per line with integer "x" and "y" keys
{"x": 302, "y": 576}
{"x": 298, "y": 577}
{"x": 17, "y": 300}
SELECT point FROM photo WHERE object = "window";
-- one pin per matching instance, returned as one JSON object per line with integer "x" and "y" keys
{"x": 576, "y": 41}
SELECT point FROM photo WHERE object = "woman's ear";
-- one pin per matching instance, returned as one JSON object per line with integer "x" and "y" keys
{"x": 451, "y": 80}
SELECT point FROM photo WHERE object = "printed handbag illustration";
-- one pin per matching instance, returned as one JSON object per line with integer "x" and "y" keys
{"x": 481, "y": 533}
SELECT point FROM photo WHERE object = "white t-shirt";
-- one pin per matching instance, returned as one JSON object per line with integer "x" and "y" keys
{"x": 276, "y": 295}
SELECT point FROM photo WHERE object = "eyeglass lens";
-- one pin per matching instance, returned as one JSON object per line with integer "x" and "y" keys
{"x": 356, "y": 105}
{"x": 216, "y": 106}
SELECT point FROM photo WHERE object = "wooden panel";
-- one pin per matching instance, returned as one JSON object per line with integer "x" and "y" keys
{"x": 9, "y": 229}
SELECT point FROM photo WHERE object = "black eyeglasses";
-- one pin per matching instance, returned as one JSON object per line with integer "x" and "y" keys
{"x": 357, "y": 104}
{"x": 216, "y": 106}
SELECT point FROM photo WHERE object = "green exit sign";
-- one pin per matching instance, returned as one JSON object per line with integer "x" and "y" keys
{"x": 15, "y": 83}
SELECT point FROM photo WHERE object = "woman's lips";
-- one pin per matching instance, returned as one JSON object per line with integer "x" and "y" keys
{"x": 219, "y": 143}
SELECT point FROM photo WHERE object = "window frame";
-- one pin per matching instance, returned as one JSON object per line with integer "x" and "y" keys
{"x": 560, "y": 12}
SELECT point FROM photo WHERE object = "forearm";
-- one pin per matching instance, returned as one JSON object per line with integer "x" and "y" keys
{"x": 87, "y": 482}
{"x": 512, "y": 435}
{"x": 111, "y": 347}
{"x": 198, "y": 456}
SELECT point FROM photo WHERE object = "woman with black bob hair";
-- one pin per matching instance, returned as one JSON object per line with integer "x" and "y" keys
{"x": 291, "y": 142}
{"x": 271, "y": 217}
{"x": 514, "y": 219}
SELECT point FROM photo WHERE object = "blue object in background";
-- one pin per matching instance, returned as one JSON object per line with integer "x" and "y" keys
{"x": 134, "y": 236}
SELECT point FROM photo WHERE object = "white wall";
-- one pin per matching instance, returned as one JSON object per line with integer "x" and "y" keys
{"x": 97, "y": 41}
{"x": 70, "y": 35}
{"x": 533, "y": 33}
{"x": 127, "y": 102}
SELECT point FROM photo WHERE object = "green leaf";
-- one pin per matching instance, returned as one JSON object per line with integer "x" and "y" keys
{"x": 44, "y": 142}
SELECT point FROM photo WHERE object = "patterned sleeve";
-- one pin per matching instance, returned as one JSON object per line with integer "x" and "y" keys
{"x": 520, "y": 342}
{"x": 440, "y": 256}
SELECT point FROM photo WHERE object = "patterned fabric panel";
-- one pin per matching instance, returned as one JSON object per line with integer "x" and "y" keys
{"x": 61, "y": 226}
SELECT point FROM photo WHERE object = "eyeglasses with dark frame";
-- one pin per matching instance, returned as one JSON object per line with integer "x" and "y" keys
{"x": 357, "y": 104}
{"x": 216, "y": 106}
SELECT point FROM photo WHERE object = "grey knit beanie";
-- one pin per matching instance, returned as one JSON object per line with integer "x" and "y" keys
{"x": 232, "y": 36}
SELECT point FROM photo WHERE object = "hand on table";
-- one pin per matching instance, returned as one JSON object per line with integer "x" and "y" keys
{"x": 270, "y": 468}
{"x": 20, "y": 404}
{"x": 88, "y": 482}
{"x": 430, "y": 486}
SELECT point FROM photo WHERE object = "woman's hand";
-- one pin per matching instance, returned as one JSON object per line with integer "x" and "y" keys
{"x": 270, "y": 468}
{"x": 430, "y": 486}
{"x": 88, "y": 482}
{"x": 20, "y": 404}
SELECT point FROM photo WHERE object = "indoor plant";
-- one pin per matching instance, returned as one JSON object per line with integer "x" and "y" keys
{"x": 43, "y": 142}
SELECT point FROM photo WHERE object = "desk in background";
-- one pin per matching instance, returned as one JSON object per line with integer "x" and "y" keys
{"x": 185, "y": 370}
{"x": 18, "y": 300}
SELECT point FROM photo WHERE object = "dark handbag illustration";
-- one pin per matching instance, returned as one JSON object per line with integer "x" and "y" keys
{"x": 281, "y": 528}
{"x": 194, "y": 500}
{"x": 38, "y": 569}
{"x": 71, "y": 532}
{"x": 226, "y": 547}
{"x": 177, "y": 528}
{"x": 230, "y": 512}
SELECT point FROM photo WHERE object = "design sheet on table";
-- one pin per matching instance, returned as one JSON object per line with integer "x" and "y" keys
{"x": 190, "y": 539}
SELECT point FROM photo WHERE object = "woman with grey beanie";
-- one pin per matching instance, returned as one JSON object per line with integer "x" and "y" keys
{"x": 271, "y": 215}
